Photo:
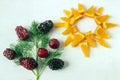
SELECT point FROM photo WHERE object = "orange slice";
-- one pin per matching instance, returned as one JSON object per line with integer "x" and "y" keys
{"x": 97, "y": 21}
{"x": 108, "y": 25}
{"x": 69, "y": 30}
{"x": 80, "y": 8}
{"x": 68, "y": 40}
{"x": 65, "y": 19}
{"x": 60, "y": 25}
{"x": 72, "y": 20}
{"x": 102, "y": 18}
{"x": 77, "y": 39}
{"x": 68, "y": 13}
{"x": 99, "y": 11}
{"x": 76, "y": 14}
{"x": 89, "y": 39}
{"x": 102, "y": 42}
{"x": 90, "y": 12}
{"x": 84, "y": 48}
{"x": 101, "y": 32}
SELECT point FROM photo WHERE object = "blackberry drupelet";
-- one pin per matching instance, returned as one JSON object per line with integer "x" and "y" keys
{"x": 55, "y": 64}
{"x": 9, "y": 53}
{"x": 28, "y": 63}
{"x": 45, "y": 27}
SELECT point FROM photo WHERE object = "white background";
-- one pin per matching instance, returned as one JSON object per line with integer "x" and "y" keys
{"x": 103, "y": 64}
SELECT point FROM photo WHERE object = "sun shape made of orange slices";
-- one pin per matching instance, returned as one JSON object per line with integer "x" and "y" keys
{"x": 88, "y": 39}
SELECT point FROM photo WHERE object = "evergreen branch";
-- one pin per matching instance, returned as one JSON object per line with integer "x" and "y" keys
{"x": 33, "y": 28}
{"x": 30, "y": 46}
{"x": 44, "y": 41}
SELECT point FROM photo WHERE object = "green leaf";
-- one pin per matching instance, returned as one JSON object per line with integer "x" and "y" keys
{"x": 17, "y": 49}
{"x": 44, "y": 41}
{"x": 34, "y": 28}
{"x": 16, "y": 61}
{"x": 22, "y": 48}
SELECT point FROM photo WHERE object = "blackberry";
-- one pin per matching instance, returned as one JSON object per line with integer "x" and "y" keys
{"x": 9, "y": 53}
{"x": 28, "y": 63}
{"x": 55, "y": 64}
{"x": 45, "y": 27}
{"x": 22, "y": 33}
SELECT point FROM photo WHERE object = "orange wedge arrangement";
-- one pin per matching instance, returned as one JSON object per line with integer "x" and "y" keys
{"x": 85, "y": 40}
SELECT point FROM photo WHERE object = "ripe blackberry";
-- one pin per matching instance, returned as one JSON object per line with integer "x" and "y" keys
{"x": 54, "y": 43}
{"x": 10, "y": 54}
{"x": 55, "y": 64}
{"x": 45, "y": 27}
{"x": 22, "y": 33}
{"x": 28, "y": 63}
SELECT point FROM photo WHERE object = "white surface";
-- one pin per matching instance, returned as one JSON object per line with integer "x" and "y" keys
{"x": 103, "y": 64}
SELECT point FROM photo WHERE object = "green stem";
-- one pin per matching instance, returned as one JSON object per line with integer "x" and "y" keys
{"x": 41, "y": 70}
{"x": 37, "y": 74}
{"x": 34, "y": 73}
{"x": 37, "y": 70}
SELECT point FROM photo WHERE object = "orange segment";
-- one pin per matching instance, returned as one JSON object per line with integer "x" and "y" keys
{"x": 76, "y": 14}
{"x": 78, "y": 17}
{"x": 100, "y": 32}
{"x": 71, "y": 29}
{"x": 102, "y": 42}
{"x": 67, "y": 13}
{"x": 60, "y": 25}
{"x": 89, "y": 39}
{"x": 72, "y": 20}
{"x": 97, "y": 21}
{"x": 108, "y": 25}
{"x": 65, "y": 19}
{"x": 77, "y": 39}
{"x": 68, "y": 40}
{"x": 80, "y": 8}
{"x": 84, "y": 47}
{"x": 99, "y": 11}
{"x": 90, "y": 12}
{"x": 102, "y": 18}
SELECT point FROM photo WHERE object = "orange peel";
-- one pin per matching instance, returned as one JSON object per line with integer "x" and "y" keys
{"x": 85, "y": 40}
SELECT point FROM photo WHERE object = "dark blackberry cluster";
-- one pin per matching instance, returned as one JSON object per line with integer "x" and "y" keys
{"x": 28, "y": 63}
{"x": 9, "y": 53}
{"x": 55, "y": 64}
{"x": 45, "y": 27}
{"x": 22, "y": 33}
